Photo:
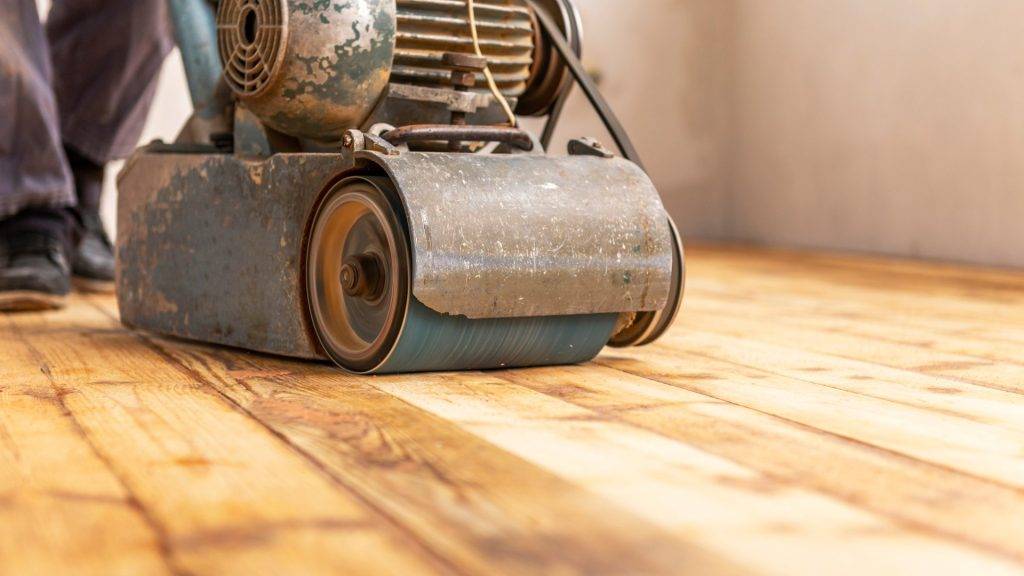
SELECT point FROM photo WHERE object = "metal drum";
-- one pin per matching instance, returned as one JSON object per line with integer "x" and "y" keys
{"x": 359, "y": 291}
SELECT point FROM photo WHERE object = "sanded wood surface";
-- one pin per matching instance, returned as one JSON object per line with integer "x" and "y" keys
{"x": 809, "y": 414}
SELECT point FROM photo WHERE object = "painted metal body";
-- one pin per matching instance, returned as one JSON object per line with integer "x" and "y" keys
{"x": 211, "y": 248}
{"x": 193, "y": 22}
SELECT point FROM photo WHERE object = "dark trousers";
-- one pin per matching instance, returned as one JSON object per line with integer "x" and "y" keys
{"x": 86, "y": 80}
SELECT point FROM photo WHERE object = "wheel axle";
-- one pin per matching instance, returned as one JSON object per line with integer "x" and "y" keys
{"x": 363, "y": 277}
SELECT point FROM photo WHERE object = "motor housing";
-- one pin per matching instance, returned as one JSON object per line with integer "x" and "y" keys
{"x": 307, "y": 69}
{"x": 313, "y": 69}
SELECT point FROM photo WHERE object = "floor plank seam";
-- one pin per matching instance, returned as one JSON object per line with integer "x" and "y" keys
{"x": 805, "y": 380}
{"x": 881, "y": 449}
{"x": 163, "y": 540}
{"x": 916, "y": 526}
{"x": 783, "y": 319}
{"x": 406, "y": 532}
{"x": 983, "y": 361}
{"x": 157, "y": 348}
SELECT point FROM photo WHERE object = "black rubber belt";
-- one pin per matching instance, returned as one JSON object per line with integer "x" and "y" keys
{"x": 600, "y": 105}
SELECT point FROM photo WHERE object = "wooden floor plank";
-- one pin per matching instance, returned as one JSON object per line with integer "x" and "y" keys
{"x": 875, "y": 324}
{"x": 856, "y": 269}
{"x": 931, "y": 499}
{"x": 801, "y": 359}
{"x": 808, "y": 333}
{"x": 62, "y": 510}
{"x": 870, "y": 298}
{"x": 811, "y": 413}
{"x": 825, "y": 303}
{"x": 964, "y": 445}
{"x": 865, "y": 289}
{"x": 696, "y": 494}
{"x": 482, "y": 508}
{"x": 943, "y": 275}
{"x": 519, "y": 516}
{"x": 230, "y": 497}
{"x": 1000, "y": 364}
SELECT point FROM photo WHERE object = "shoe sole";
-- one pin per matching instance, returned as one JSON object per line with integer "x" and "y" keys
{"x": 90, "y": 286}
{"x": 25, "y": 301}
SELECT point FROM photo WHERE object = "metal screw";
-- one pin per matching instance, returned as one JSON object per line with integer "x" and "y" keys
{"x": 464, "y": 69}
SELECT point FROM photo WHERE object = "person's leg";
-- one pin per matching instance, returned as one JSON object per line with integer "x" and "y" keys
{"x": 107, "y": 55}
{"x": 35, "y": 182}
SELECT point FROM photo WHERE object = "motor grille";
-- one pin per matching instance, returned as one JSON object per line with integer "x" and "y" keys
{"x": 429, "y": 28}
{"x": 251, "y": 39}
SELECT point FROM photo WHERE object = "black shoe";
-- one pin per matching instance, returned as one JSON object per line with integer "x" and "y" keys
{"x": 92, "y": 262}
{"x": 34, "y": 273}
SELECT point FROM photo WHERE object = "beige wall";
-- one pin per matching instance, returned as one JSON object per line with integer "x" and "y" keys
{"x": 894, "y": 126}
{"x": 665, "y": 67}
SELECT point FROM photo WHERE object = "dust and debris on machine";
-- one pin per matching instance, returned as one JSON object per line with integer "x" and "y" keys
{"x": 355, "y": 186}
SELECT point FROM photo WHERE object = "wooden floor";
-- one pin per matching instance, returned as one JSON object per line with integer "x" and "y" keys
{"x": 809, "y": 415}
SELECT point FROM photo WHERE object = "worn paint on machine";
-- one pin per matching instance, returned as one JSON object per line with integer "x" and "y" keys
{"x": 211, "y": 246}
{"x": 309, "y": 68}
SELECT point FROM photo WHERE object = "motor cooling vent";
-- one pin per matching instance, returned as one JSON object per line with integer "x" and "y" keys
{"x": 429, "y": 28}
{"x": 251, "y": 39}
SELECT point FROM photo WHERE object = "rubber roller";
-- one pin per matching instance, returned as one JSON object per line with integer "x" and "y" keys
{"x": 368, "y": 321}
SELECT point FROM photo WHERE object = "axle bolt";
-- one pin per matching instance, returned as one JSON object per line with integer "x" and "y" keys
{"x": 350, "y": 279}
{"x": 362, "y": 276}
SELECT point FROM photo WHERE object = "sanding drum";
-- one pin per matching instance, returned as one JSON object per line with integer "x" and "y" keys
{"x": 486, "y": 261}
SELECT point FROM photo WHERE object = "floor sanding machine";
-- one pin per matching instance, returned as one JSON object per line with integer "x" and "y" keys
{"x": 355, "y": 185}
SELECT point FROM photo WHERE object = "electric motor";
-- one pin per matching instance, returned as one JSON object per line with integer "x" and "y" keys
{"x": 308, "y": 69}
{"x": 315, "y": 69}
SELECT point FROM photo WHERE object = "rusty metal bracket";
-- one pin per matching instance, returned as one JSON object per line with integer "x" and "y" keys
{"x": 423, "y": 133}
{"x": 357, "y": 141}
{"x": 588, "y": 147}
{"x": 467, "y": 102}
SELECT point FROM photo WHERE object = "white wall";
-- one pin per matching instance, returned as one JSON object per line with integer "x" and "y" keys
{"x": 665, "y": 66}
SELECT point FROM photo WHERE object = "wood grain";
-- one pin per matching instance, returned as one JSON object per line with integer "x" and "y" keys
{"x": 916, "y": 496}
{"x": 55, "y": 488}
{"x": 481, "y": 507}
{"x": 811, "y": 413}
{"x": 228, "y": 496}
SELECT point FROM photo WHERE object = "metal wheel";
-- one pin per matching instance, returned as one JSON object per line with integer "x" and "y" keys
{"x": 549, "y": 77}
{"x": 357, "y": 274}
{"x": 644, "y": 328}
